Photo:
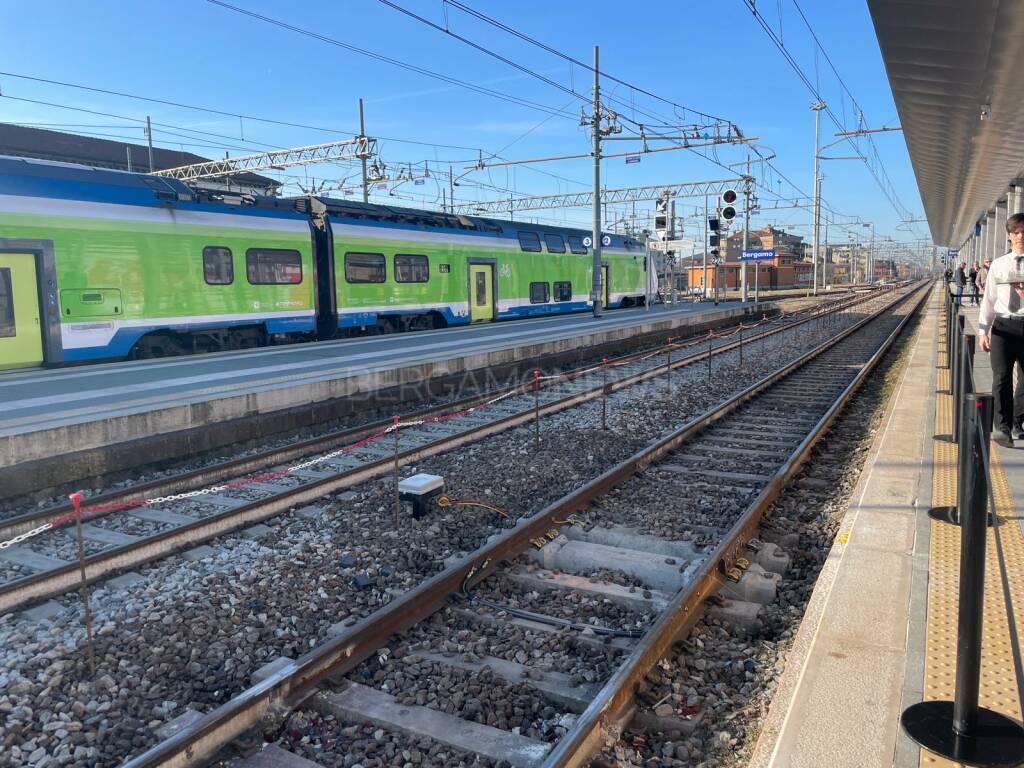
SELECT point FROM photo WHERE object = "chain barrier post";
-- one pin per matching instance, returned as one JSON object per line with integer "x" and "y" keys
{"x": 604, "y": 394}
{"x": 76, "y": 502}
{"x": 398, "y": 496}
{"x": 711, "y": 335}
{"x": 668, "y": 366}
{"x": 741, "y": 344}
{"x": 960, "y": 730}
{"x": 536, "y": 409}
{"x": 764, "y": 336}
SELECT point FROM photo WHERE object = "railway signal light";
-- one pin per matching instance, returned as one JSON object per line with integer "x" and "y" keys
{"x": 728, "y": 200}
{"x": 661, "y": 217}
{"x": 713, "y": 223}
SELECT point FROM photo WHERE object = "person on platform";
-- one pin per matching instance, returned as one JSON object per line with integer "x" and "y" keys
{"x": 960, "y": 277}
{"x": 972, "y": 283}
{"x": 983, "y": 273}
{"x": 1001, "y": 332}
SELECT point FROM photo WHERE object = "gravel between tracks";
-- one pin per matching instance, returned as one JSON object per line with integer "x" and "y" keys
{"x": 728, "y": 676}
{"x": 192, "y": 632}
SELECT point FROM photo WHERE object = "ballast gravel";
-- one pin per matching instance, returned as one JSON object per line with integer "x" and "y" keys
{"x": 192, "y": 632}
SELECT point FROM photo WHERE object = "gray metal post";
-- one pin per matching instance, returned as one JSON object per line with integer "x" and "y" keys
{"x": 999, "y": 246}
{"x": 596, "y": 128}
{"x": 672, "y": 259}
{"x": 817, "y": 106}
{"x": 871, "y": 257}
{"x": 746, "y": 229}
{"x": 128, "y": 151}
{"x": 362, "y": 158}
{"x": 149, "y": 140}
{"x": 706, "y": 246}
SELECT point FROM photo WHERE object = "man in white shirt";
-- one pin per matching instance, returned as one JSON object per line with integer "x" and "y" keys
{"x": 1001, "y": 327}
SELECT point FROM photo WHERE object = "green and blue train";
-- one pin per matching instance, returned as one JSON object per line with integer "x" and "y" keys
{"x": 98, "y": 264}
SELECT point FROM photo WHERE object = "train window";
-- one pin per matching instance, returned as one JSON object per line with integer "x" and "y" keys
{"x": 538, "y": 293}
{"x": 576, "y": 244}
{"x": 365, "y": 268}
{"x": 218, "y": 268}
{"x": 273, "y": 266}
{"x": 411, "y": 268}
{"x": 555, "y": 243}
{"x": 6, "y": 305}
{"x": 563, "y": 291}
{"x": 529, "y": 241}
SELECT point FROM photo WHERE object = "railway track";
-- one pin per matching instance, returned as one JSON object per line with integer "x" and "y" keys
{"x": 757, "y": 442}
{"x": 126, "y": 528}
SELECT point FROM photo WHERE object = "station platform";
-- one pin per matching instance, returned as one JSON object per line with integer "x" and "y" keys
{"x": 880, "y": 631}
{"x": 62, "y": 425}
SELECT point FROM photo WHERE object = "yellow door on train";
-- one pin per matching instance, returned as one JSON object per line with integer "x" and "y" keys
{"x": 21, "y": 334}
{"x": 481, "y": 292}
{"x": 604, "y": 284}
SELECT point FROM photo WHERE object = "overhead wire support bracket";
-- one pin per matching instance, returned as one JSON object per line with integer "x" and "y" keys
{"x": 479, "y": 166}
{"x": 350, "y": 149}
{"x": 611, "y": 196}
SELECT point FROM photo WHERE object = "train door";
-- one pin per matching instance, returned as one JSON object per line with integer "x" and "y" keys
{"x": 604, "y": 284}
{"x": 21, "y": 333}
{"x": 481, "y": 292}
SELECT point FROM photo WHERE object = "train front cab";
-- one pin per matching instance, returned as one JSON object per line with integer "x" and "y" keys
{"x": 29, "y": 314}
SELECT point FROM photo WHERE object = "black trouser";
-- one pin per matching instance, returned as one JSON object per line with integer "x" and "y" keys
{"x": 1007, "y": 348}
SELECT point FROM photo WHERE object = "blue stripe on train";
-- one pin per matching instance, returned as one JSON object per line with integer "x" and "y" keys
{"x": 124, "y": 339}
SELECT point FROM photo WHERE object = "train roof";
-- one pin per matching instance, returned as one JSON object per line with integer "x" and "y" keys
{"x": 353, "y": 210}
{"x": 48, "y": 178}
{"x": 24, "y": 176}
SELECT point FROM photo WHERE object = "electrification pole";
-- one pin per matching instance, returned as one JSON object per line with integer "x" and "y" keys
{"x": 362, "y": 158}
{"x": 705, "y": 281}
{"x": 596, "y": 235}
{"x": 149, "y": 139}
{"x": 746, "y": 228}
{"x": 817, "y": 105}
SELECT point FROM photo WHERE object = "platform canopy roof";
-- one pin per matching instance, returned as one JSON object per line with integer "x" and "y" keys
{"x": 956, "y": 68}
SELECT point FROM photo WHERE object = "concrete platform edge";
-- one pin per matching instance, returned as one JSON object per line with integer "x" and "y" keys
{"x": 87, "y": 450}
{"x": 767, "y": 746}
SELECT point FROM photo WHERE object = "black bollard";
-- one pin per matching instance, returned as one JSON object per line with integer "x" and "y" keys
{"x": 955, "y": 381}
{"x": 960, "y": 730}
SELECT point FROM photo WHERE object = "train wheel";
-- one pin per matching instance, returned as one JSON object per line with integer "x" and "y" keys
{"x": 157, "y": 346}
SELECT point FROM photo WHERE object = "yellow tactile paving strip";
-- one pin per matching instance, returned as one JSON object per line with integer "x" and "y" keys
{"x": 998, "y": 682}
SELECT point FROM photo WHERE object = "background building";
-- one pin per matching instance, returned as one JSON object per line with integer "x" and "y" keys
{"x": 21, "y": 141}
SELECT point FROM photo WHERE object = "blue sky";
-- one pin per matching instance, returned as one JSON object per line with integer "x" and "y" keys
{"x": 711, "y": 56}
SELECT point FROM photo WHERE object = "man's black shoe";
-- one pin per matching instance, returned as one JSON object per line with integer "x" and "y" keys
{"x": 1003, "y": 439}
{"x": 1016, "y": 433}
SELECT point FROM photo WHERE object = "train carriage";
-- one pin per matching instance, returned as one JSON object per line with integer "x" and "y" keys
{"x": 98, "y": 264}
{"x": 406, "y": 269}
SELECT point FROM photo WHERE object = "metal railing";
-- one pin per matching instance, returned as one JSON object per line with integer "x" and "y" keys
{"x": 961, "y": 730}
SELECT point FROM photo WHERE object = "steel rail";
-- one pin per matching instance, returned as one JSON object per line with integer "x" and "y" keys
{"x": 288, "y": 687}
{"x": 614, "y": 702}
{"x": 165, "y": 486}
{"x": 45, "y": 584}
{"x": 233, "y": 468}
{"x": 214, "y": 473}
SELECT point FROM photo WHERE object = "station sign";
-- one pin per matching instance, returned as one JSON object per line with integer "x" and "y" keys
{"x": 954, "y": 252}
{"x": 630, "y": 159}
{"x": 671, "y": 245}
{"x": 758, "y": 254}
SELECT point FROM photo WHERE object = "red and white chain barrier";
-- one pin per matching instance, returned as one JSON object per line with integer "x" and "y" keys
{"x": 78, "y": 498}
